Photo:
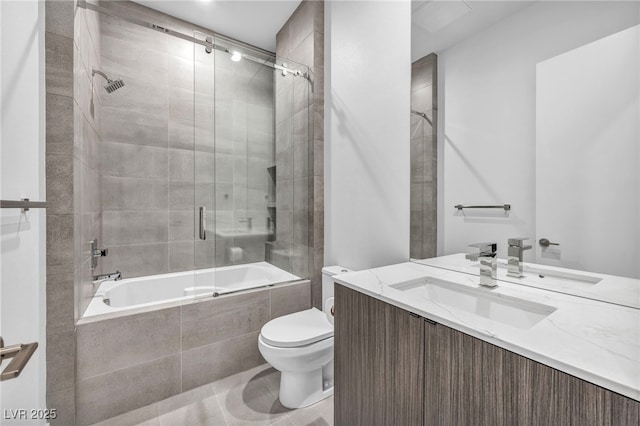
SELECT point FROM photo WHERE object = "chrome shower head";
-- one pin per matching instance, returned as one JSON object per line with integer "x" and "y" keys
{"x": 112, "y": 85}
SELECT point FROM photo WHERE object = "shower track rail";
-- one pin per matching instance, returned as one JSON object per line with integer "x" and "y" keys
{"x": 207, "y": 43}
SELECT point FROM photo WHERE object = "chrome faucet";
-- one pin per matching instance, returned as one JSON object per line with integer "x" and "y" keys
{"x": 514, "y": 256}
{"x": 488, "y": 262}
{"x": 112, "y": 276}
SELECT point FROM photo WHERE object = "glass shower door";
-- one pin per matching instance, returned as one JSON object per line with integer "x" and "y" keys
{"x": 204, "y": 166}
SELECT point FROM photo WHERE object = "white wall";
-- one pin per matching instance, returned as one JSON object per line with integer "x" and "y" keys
{"x": 22, "y": 174}
{"x": 487, "y": 104}
{"x": 367, "y": 98}
{"x": 587, "y": 147}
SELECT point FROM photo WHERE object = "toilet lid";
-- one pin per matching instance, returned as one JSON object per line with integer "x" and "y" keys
{"x": 297, "y": 329}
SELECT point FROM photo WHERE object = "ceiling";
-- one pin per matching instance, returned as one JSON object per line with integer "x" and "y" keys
{"x": 252, "y": 21}
{"x": 436, "y": 24}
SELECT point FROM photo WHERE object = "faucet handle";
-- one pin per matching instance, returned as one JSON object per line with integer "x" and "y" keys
{"x": 486, "y": 247}
{"x": 519, "y": 242}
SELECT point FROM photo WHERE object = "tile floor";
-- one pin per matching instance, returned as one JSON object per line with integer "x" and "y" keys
{"x": 247, "y": 398}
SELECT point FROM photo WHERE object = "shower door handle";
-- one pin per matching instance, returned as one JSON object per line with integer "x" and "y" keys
{"x": 203, "y": 223}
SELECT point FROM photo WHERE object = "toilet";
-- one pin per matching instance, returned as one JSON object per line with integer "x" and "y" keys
{"x": 300, "y": 346}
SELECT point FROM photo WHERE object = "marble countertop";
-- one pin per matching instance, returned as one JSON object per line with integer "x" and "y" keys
{"x": 595, "y": 341}
{"x": 610, "y": 288}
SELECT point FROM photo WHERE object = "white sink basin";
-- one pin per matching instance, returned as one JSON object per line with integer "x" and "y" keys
{"x": 479, "y": 301}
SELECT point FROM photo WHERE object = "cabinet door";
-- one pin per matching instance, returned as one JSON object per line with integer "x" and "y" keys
{"x": 379, "y": 362}
{"x": 472, "y": 382}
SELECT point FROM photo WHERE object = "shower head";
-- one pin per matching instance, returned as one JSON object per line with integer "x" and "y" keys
{"x": 112, "y": 85}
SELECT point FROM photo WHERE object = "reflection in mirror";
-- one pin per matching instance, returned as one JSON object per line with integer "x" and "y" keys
{"x": 424, "y": 118}
{"x": 513, "y": 77}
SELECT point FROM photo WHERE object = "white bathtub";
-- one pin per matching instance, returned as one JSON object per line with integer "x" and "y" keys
{"x": 132, "y": 293}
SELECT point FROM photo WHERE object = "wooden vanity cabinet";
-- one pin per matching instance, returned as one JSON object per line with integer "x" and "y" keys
{"x": 386, "y": 358}
{"x": 379, "y": 362}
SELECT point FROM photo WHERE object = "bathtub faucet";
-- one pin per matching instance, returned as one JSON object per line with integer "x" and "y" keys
{"x": 112, "y": 276}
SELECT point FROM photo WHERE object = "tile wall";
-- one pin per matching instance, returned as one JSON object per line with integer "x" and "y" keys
{"x": 128, "y": 362}
{"x": 90, "y": 198}
{"x": 63, "y": 160}
{"x": 147, "y": 153}
{"x": 300, "y": 162}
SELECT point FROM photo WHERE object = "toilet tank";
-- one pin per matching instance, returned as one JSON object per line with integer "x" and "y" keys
{"x": 327, "y": 280}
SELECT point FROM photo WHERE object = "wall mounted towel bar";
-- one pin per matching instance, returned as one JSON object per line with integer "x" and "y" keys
{"x": 20, "y": 354}
{"x": 506, "y": 207}
{"x": 23, "y": 204}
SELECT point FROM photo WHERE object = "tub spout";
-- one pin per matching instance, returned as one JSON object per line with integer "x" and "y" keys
{"x": 112, "y": 276}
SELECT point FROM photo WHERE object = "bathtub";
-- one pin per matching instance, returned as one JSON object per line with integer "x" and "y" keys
{"x": 148, "y": 291}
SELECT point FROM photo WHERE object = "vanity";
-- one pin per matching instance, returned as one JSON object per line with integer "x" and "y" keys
{"x": 422, "y": 345}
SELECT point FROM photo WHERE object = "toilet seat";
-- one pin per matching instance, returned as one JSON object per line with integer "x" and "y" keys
{"x": 297, "y": 329}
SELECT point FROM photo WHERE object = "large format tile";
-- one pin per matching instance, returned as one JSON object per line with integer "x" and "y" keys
{"x": 59, "y": 184}
{"x": 60, "y": 303}
{"x": 104, "y": 396}
{"x": 59, "y": 128}
{"x": 181, "y": 134}
{"x": 135, "y": 161}
{"x": 302, "y": 23}
{"x": 138, "y": 95}
{"x": 181, "y": 164}
{"x": 137, "y": 260}
{"x": 291, "y": 298}
{"x": 284, "y": 195}
{"x": 63, "y": 401}
{"x": 118, "y": 343}
{"x": 61, "y": 361}
{"x": 222, "y": 318}
{"x": 206, "y": 364}
{"x": 124, "y": 228}
{"x": 319, "y": 414}
{"x": 59, "y": 243}
{"x": 59, "y": 64}
{"x": 147, "y": 415}
{"x": 181, "y": 256}
{"x": 123, "y": 59}
{"x": 134, "y": 194}
{"x": 59, "y": 17}
{"x": 252, "y": 403}
{"x": 182, "y": 194}
{"x": 138, "y": 128}
{"x": 181, "y": 225}
{"x": 198, "y": 406}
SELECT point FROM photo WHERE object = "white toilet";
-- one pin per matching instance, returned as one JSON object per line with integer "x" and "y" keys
{"x": 300, "y": 346}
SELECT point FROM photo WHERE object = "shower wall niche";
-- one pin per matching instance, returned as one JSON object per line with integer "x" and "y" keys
{"x": 189, "y": 130}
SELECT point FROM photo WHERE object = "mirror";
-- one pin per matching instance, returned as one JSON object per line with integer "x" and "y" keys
{"x": 538, "y": 109}
{"x": 424, "y": 137}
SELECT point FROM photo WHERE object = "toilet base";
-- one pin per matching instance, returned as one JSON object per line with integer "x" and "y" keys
{"x": 299, "y": 390}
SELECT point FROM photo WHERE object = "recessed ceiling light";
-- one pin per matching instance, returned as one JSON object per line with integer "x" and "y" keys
{"x": 236, "y": 56}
